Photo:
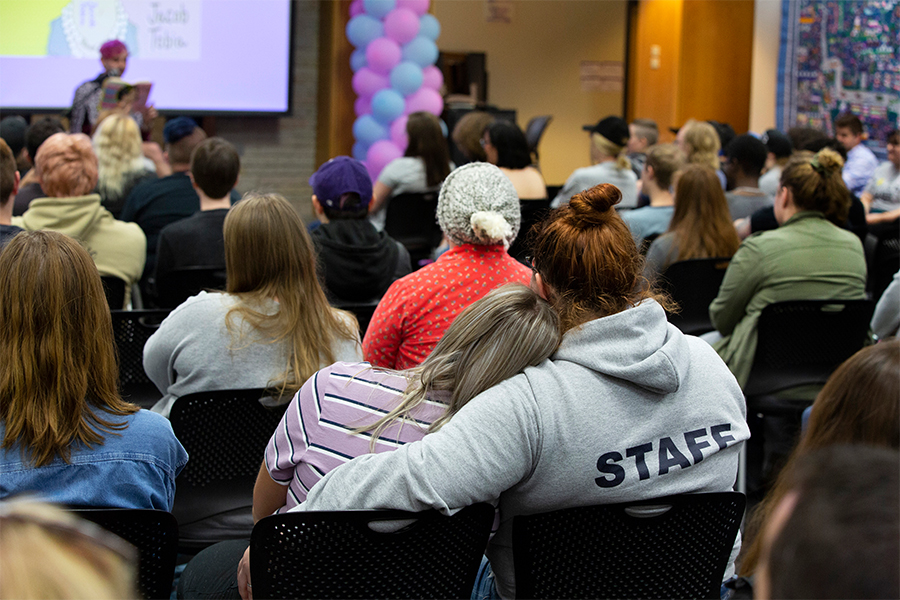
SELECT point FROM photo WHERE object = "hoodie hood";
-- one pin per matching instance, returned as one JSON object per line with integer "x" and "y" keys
{"x": 641, "y": 348}
{"x": 358, "y": 261}
{"x": 76, "y": 216}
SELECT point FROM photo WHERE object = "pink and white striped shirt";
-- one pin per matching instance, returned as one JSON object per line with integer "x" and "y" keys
{"x": 316, "y": 433}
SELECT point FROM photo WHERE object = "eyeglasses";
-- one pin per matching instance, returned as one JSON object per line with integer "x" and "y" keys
{"x": 529, "y": 262}
{"x": 483, "y": 142}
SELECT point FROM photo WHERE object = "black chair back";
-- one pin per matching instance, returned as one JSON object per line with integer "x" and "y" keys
{"x": 176, "y": 286}
{"x": 132, "y": 329}
{"x": 411, "y": 219}
{"x": 884, "y": 260}
{"x": 225, "y": 434}
{"x": 362, "y": 310}
{"x": 533, "y": 212}
{"x": 534, "y": 131}
{"x": 338, "y": 555}
{"x": 154, "y": 533}
{"x": 802, "y": 342}
{"x": 673, "y": 547}
{"x": 693, "y": 285}
{"x": 114, "y": 288}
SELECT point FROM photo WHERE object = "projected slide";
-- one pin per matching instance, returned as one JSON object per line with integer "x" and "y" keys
{"x": 200, "y": 55}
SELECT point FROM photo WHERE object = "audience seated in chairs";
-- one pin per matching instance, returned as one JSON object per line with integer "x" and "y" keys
{"x": 701, "y": 144}
{"x": 745, "y": 158}
{"x": 198, "y": 241}
{"x": 609, "y": 164}
{"x": 669, "y": 414}
{"x": 807, "y": 258}
{"x": 273, "y": 328}
{"x": 700, "y": 226}
{"x": 46, "y": 552}
{"x": 643, "y": 135}
{"x": 9, "y": 185}
{"x": 493, "y": 339}
{"x": 67, "y": 171}
{"x": 836, "y": 531}
{"x": 156, "y": 203}
{"x": 662, "y": 163}
{"x": 422, "y": 168}
{"x": 478, "y": 210}
{"x": 358, "y": 262}
{"x": 860, "y": 404}
{"x": 881, "y": 196}
{"x": 67, "y": 433}
{"x": 505, "y": 146}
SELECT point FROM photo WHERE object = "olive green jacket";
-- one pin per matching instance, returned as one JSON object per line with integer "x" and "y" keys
{"x": 807, "y": 258}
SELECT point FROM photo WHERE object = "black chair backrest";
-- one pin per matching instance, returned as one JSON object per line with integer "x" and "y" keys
{"x": 114, "y": 288}
{"x": 678, "y": 550}
{"x": 154, "y": 533}
{"x": 533, "y": 212}
{"x": 411, "y": 219}
{"x": 225, "y": 434}
{"x": 362, "y": 310}
{"x": 337, "y": 554}
{"x": 176, "y": 286}
{"x": 132, "y": 329}
{"x": 535, "y": 130}
{"x": 801, "y": 342}
{"x": 693, "y": 285}
{"x": 884, "y": 262}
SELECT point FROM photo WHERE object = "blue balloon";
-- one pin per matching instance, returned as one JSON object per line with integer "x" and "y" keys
{"x": 359, "y": 151}
{"x": 362, "y": 29}
{"x": 358, "y": 59}
{"x": 421, "y": 51}
{"x": 387, "y": 105}
{"x": 368, "y": 131}
{"x": 406, "y": 77}
{"x": 379, "y": 8}
{"x": 429, "y": 27}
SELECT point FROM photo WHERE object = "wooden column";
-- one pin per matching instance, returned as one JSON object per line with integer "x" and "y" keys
{"x": 334, "y": 127}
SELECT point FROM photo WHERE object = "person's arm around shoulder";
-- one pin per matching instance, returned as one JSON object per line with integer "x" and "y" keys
{"x": 489, "y": 446}
{"x": 740, "y": 284}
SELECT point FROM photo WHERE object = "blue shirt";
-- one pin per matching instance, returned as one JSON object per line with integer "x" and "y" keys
{"x": 859, "y": 168}
{"x": 647, "y": 221}
{"x": 134, "y": 469}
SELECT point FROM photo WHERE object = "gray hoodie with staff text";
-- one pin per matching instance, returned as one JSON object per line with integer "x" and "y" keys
{"x": 628, "y": 408}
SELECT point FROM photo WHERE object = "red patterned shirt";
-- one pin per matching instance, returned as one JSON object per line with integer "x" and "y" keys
{"x": 417, "y": 309}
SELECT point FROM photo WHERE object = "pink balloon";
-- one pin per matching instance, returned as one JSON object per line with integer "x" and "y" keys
{"x": 401, "y": 25}
{"x": 398, "y": 132}
{"x": 420, "y": 7}
{"x": 380, "y": 154}
{"x": 366, "y": 82}
{"x": 356, "y": 8}
{"x": 363, "y": 106}
{"x": 426, "y": 100}
{"x": 383, "y": 54}
{"x": 432, "y": 78}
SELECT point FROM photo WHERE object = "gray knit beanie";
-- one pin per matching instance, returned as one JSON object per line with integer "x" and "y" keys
{"x": 478, "y": 205}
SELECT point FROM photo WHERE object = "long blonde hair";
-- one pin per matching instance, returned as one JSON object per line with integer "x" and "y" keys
{"x": 46, "y": 552}
{"x": 702, "y": 144}
{"x": 269, "y": 256}
{"x": 491, "y": 340}
{"x": 56, "y": 343}
{"x": 117, "y": 143}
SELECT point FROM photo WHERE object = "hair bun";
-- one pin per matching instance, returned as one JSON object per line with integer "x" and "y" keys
{"x": 594, "y": 206}
{"x": 830, "y": 160}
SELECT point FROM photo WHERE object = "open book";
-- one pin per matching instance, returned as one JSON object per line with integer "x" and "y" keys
{"x": 114, "y": 88}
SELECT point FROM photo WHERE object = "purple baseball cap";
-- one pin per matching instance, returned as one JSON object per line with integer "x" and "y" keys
{"x": 339, "y": 176}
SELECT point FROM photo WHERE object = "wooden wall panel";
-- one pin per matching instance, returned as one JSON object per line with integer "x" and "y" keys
{"x": 334, "y": 130}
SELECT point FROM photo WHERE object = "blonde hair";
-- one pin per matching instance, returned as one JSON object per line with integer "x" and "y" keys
{"x": 666, "y": 160}
{"x": 816, "y": 183}
{"x": 56, "y": 343}
{"x": 117, "y": 143}
{"x": 608, "y": 148}
{"x": 269, "y": 256}
{"x": 702, "y": 144}
{"x": 46, "y": 552}
{"x": 66, "y": 165}
{"x": 490, "y": 341}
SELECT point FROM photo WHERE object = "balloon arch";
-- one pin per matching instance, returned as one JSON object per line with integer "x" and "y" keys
{"x": 393, "y": 74}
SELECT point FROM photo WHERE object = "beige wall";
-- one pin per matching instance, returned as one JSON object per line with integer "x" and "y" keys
{"x": 764, "y": 73}
{"x": 533, "y": 65}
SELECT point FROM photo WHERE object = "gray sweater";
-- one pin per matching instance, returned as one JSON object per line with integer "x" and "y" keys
{"x": 628, "y": 408}
{"x": 192, "y": 351}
